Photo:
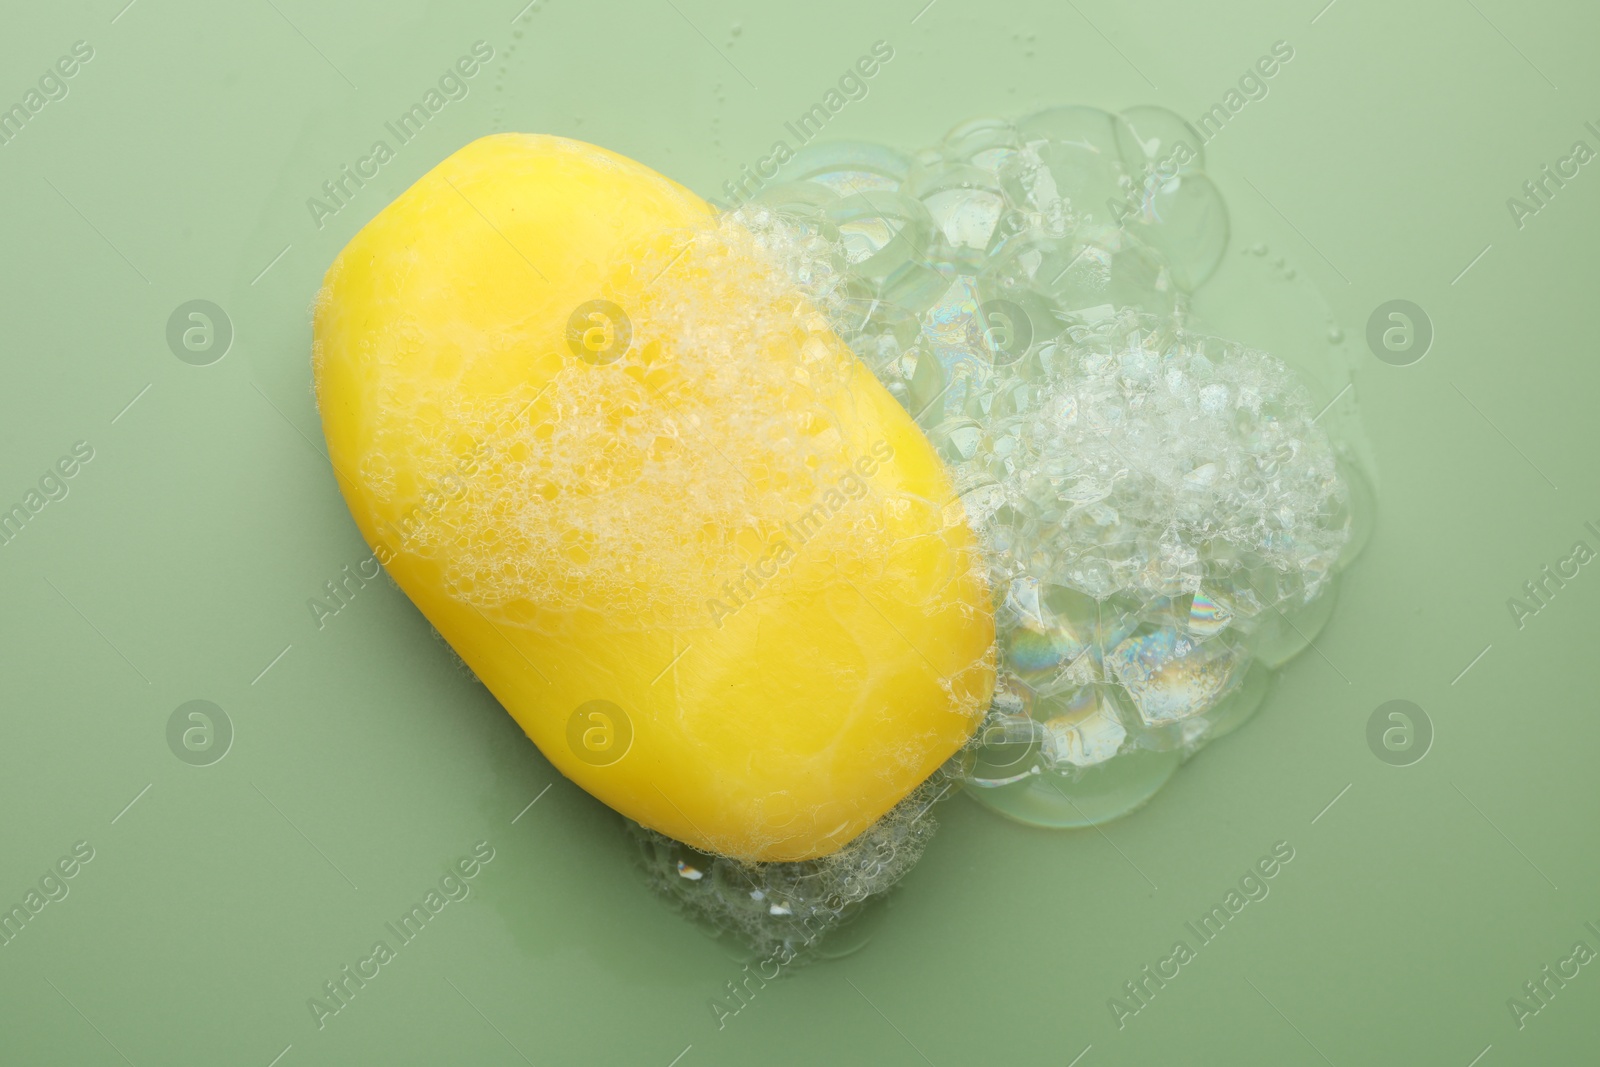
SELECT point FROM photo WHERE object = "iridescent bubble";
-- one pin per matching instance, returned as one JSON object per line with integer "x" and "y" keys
{"x": 1039, "y": 651}
{"x": 1207, "y": 615}
{"x": 1171, "y": 677}
{"x": 953, "y": 321}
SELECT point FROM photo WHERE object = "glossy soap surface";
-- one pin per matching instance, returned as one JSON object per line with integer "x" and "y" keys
{"x": 708, "y": 563}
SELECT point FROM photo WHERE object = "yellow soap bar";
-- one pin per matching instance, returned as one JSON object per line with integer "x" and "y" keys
{"x": 707, "y": 562}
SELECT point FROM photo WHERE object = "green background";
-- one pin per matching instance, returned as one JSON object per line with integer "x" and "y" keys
{"x": 365, "y": 761}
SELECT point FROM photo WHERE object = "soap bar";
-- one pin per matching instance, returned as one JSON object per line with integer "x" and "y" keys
{"x": 709, "y": 565}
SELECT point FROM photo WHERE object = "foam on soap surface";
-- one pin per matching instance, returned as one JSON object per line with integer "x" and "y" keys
{"x": 615, "y": 450}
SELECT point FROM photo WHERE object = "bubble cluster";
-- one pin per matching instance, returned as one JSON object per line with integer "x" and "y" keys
{"x": 1163, "y": 517}
{"x": 791, "y": 908}
{"x": 1157, "y": 505}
